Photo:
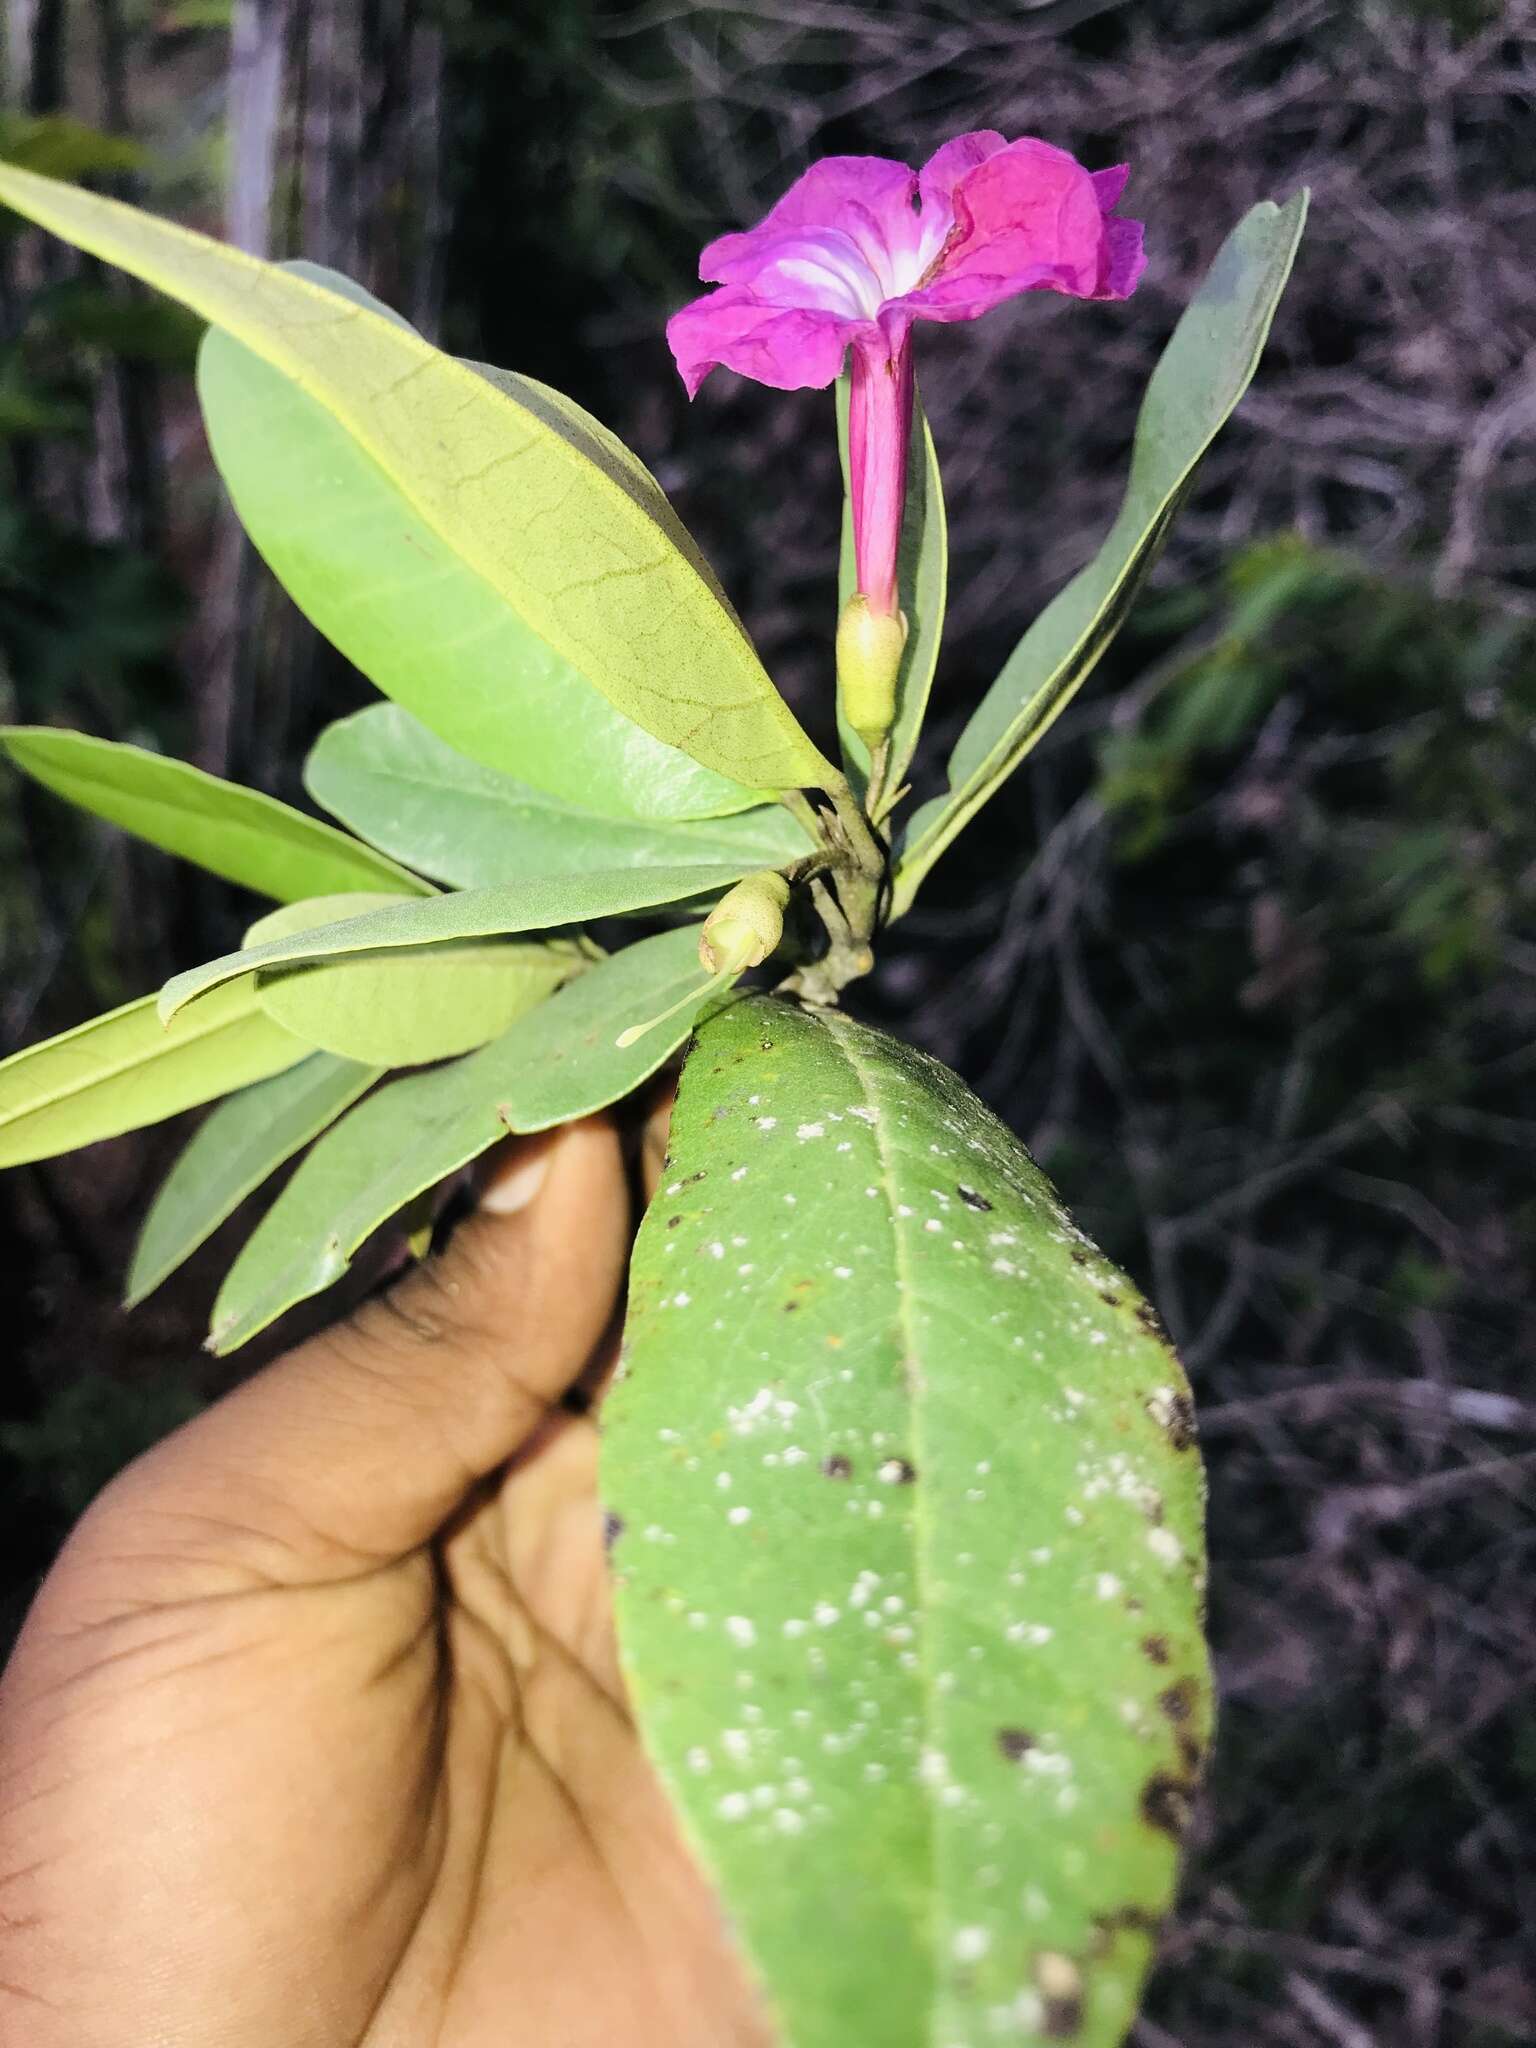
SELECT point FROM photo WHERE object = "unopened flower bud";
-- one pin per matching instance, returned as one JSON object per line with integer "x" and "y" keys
{"x": 869, "y": 650}
{"x": 745, "y": 925}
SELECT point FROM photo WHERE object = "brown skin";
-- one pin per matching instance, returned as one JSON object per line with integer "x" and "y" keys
{"x": 315, "y": 1736}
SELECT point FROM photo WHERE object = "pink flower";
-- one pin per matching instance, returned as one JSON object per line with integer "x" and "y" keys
{"x": 859, "y": 248}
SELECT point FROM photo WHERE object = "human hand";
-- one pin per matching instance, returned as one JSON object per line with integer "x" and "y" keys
{"x": 315, "y": 1736}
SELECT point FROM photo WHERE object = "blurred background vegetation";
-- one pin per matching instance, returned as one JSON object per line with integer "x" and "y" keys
{"x": 1246, "y": 955}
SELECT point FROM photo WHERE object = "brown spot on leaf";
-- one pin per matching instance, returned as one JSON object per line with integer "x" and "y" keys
{"x": 613, "y": 1529}
{"x": 1190, "y": 1753}
{"x": 837, "y": 1466}
{"x": 1060, "y": 1983}
{"x": 1151, "y": 1321}
{"x": 970, "y": 1197}
{"x": 1178, "y": 1701}
{"x": 673, "y": 1222}
{"x": 1079, "y": 1256}
{"x": 1014, "y": 1743}
{"x": 1180, "y": 1424}
{"x": 897, "y": 1472}
{"x": 1155, "y": 1648}
{"x": 1165, "y": 1804}
{"x": 1110, "y": 1300}
{"x": 1061, "y": 2019}
{"x": 1124, "y": 1920}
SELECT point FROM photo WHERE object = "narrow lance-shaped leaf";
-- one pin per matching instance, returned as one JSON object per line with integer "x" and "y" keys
{"x": 402, "y": 1009}
{"x": 909, "y": 1576}
{"x": 536, "y": 903}
{"x": 1203, "y": 373}
{"x": 403, "y": 789}
{"x": 127, "y": 1068}
{"x": 558, "y": 1062}
{"x": 563, "y": 539}
{"x": 405, "y": 607}
{"x": 922, "y": 581}
{"x": 235, "y": 1148}
{"x": 237, "y": 833}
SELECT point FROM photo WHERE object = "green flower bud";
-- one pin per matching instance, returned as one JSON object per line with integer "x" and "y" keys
{"x": 869, "y": 650}
{"x": 745, "y": 925}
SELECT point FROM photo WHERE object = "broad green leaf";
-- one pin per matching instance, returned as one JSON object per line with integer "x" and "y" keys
{"x": 910, "y": 1567}
{"x": 128, "y": 1068}
{"x": 922, "y": 581}
{"x": 1203, "y": 373}
{"x": 586, "y": 434}
{"x": 403, "y": 789}
{"x": 237, "y": 833}
{"x": 401, "y": 1009}
{"x": 558, "y": 1062}
{"x": 233, "y": 1151}
{"x": 556, "y": 534}
{"x": 413, "y": 616}
{"x": 536, "y": 903}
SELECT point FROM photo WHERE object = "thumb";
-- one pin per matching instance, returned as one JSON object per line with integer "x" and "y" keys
{"x": 355, "y": 1448}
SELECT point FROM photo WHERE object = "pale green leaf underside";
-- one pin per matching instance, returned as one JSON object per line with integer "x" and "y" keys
{"x": 404, "y": 790}
{"x": 922, "y": 582}
{"x": 127, "y": 1068}
{"x": 586, "y": 434}
{"x": 237, "y": 833}
{"x": 407, "y": 610}
{"x": 235, "y": 1148}
{"x": 1203, "y": 373}
{"x": 402, "y": 1009}
{"x": 909, "y": 1574}
{"x": 566, "y": 544}
{"x": 536, "y": 903}
{"x": 557, "y": 1062}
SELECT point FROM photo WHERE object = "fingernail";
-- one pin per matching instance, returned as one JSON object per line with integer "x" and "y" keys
{"x": 514, "y": 1184}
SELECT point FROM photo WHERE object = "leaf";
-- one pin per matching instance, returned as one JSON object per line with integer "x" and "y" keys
{"x": 431, "y": 633}
{"x": 401, "y": 788}
{"x": 536, "y": 903}
{"x": 551, "y": 531}
{"x": 556, "y": 1063}
{"x": 127, "y": 1068}
{"x": 402, "y": 1009}
{"x": 922, "y": 581}
{"x": 909, "y": 1574}
{"x": 237, "y": 833}
{"x": 65, "y": 148}
{"x": 235, "y": 1148}
{"x": 1203, "y": 373}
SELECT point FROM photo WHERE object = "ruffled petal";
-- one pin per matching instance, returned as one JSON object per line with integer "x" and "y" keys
{"x": 1029, "y": 217}
{"x": 1125, "y": 258}
{"x": 1029, "y": 208}
{"x": 1110, "y": 184}
{"x": 949, "y": 163}
{"x": 819, "y": 268}
{"x": 867, "y": 198}
{"x": 791, "y": 348}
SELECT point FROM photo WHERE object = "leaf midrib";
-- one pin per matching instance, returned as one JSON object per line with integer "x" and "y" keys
{"x": 842, "y": 1030}
{"x": 135, "y": 1063}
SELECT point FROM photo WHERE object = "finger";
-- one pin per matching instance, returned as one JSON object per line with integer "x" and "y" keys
{"x": 359, "y": 1445}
